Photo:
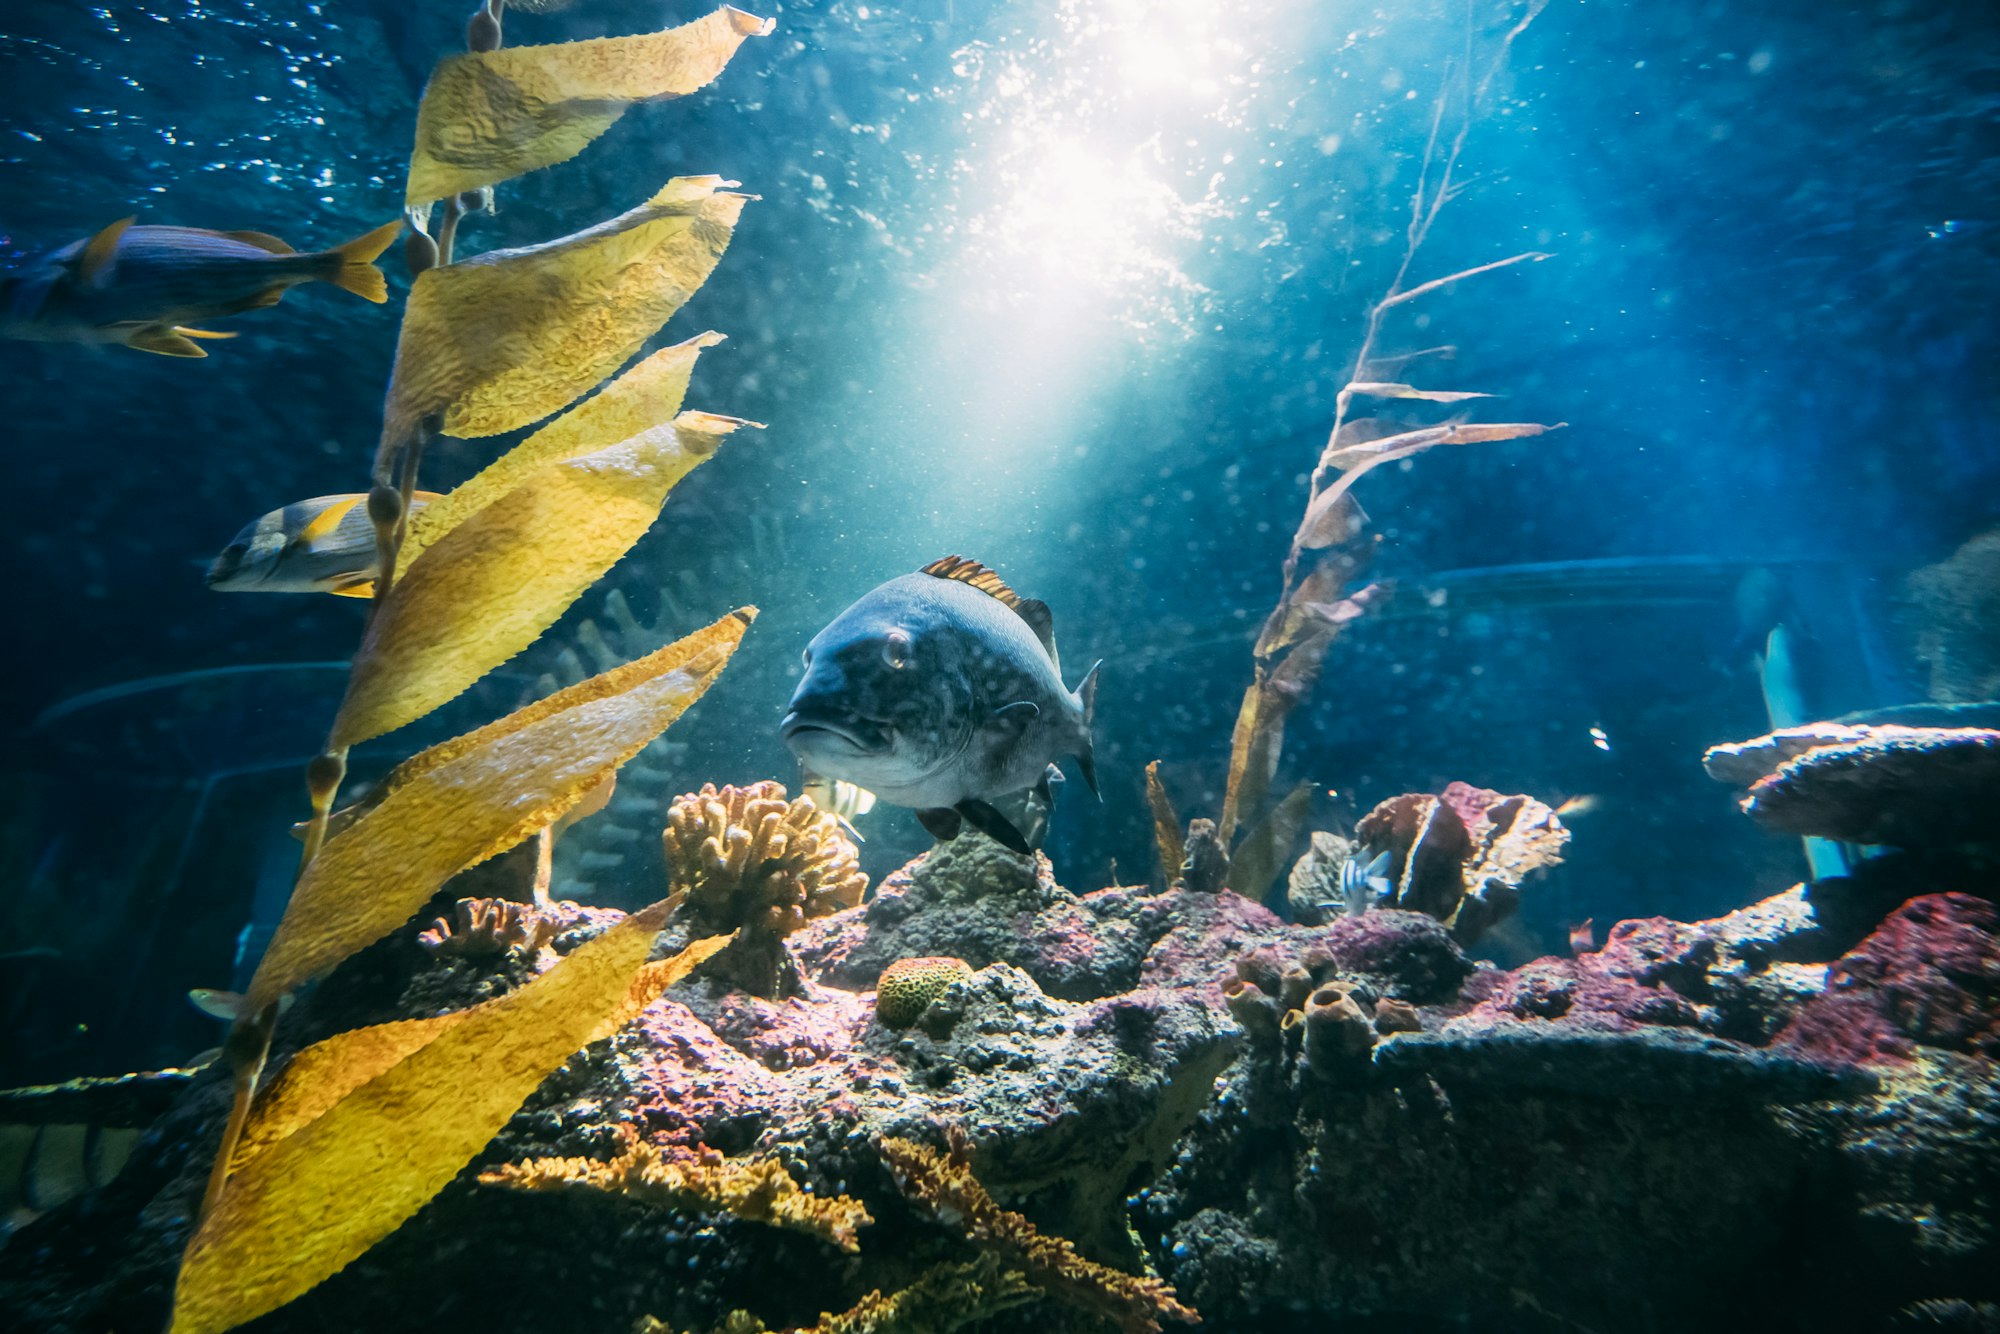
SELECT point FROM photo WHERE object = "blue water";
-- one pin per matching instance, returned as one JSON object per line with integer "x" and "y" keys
{"x": 1069, "y": 289}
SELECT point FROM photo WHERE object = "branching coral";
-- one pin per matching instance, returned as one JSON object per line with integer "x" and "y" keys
{"x": 749, "y": 859}
{"x": 762, "y": 1192}
{"x": 945, "y": 1298}
{"x": 944, "y": 1183}
{"x": 486, "y": 928}
{"x": 747, "y": 856}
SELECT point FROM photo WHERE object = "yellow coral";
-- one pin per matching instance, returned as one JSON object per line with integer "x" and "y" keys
{"x": 944, "y": 1182}
{"x": 908, "y": 986}
{"x": 748, "y": 857}
{"x": 762, "y": 1192}
{"x": 944, "y": 1298}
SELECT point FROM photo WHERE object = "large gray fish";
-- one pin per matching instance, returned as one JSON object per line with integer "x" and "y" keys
{"x": 941, "y": 691}
{"x": 146, "y": 286}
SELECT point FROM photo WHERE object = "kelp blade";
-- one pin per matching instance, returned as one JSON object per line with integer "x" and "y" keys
{"x": 1166, "y": 825}
{"x": 488, "y": 588}
{"x": 649, "y": 393}
{"x": 491, "y": 115}
{"x": 309, "y": 1203}
{"x": 325, "y": 1073}
{"x": 508, "y": 337}
{"x": 1254, "y": 865}
{"x": 479, "y": 801}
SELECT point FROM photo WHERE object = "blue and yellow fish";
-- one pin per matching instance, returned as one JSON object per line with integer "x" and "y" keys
{"x": 147, "y": 287}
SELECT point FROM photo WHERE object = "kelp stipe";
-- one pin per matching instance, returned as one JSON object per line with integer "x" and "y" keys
{"x": 486, "y": 346}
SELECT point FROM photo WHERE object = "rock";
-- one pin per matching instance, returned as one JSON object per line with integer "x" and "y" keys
{"x": 1904, "y": 786}
{"x": 1929, "y": 976}
{"x": 1296, "y": 1126}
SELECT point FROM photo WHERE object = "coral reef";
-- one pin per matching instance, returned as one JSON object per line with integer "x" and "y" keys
{"x": 701, "y": 1180}
{"x": 1904, "y": 786}
{"x": 945, "y": 1185}
{"x": 1929, "y": 976}
{"x": 908, "y": 986}
{"x": 1277, "y": 1125}
{"x": 1460, "y": 857}
{"x": 752, "y": 862}
{"x": 485, "y": 928}
{"x": 946, "y": 1298}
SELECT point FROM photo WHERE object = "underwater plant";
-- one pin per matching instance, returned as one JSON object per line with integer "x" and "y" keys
{"x": 700, "y": 1180}
{"x": 1328, "y": 551}
{"x": 944, "y": 1183}
{"x": 300, "y": 1185}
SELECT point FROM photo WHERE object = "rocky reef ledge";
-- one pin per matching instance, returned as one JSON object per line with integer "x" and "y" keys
{"x": 1785, "y": 1118}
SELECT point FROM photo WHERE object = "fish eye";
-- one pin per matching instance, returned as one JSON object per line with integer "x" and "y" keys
{"x": 896, "y": 648}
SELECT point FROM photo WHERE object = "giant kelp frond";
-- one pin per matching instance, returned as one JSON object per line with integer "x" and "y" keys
{"x": 703, "y": 1180}
{"x": 491, "y": 115}
{"x": 489, "y": 587}
{"x": 645, "y": 396}
{"x": 944, "y": 1183}
{"x": 497, "y": 786}
{"x": 504, "y": 339}
{"x": 364, "y": 1128}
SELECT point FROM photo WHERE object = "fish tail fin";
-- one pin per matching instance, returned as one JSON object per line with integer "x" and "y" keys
{"x": 353, "y": 264}
{"x": 1086, "y": 695}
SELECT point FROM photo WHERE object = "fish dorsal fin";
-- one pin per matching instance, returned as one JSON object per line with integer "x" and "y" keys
{"x": 262, "y": 240}
{"x": 327, "y": 519}
{"x": 1032, "y": 610}
{"x": 94, "y": 264}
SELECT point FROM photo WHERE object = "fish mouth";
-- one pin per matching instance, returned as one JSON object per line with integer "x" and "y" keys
{"x": 866, "y": 735}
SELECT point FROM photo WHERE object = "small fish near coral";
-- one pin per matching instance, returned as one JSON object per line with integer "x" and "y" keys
{"x": 146, "y": 287}
{"x": 322, "y": 545}
{"x": 942, "y": 691}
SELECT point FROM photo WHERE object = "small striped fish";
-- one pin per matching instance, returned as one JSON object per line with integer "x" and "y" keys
{"x": 322, "y": 545}
{"x": 146, "y": 287}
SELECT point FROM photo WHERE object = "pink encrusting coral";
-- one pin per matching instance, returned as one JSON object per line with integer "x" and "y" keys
{"x": 1929, "y": 976}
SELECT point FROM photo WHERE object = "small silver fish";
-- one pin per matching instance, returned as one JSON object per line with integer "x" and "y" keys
{"x": 322, "y": 545}
{"x": 146, "y": 287}
{"x": 941, "y": 691}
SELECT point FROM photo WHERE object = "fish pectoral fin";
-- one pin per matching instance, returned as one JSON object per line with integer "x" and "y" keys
{"x": 1020, "y": 713}
{"x": 994, "y": 825}
{"x": 364, "y": 589}
{"x": 262, "y": 240}
{"x": 93, "y": 266}
{"x": 942, "y": 823}
{"x": 186, "y": 332}
{"x": 163, "y": 340}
